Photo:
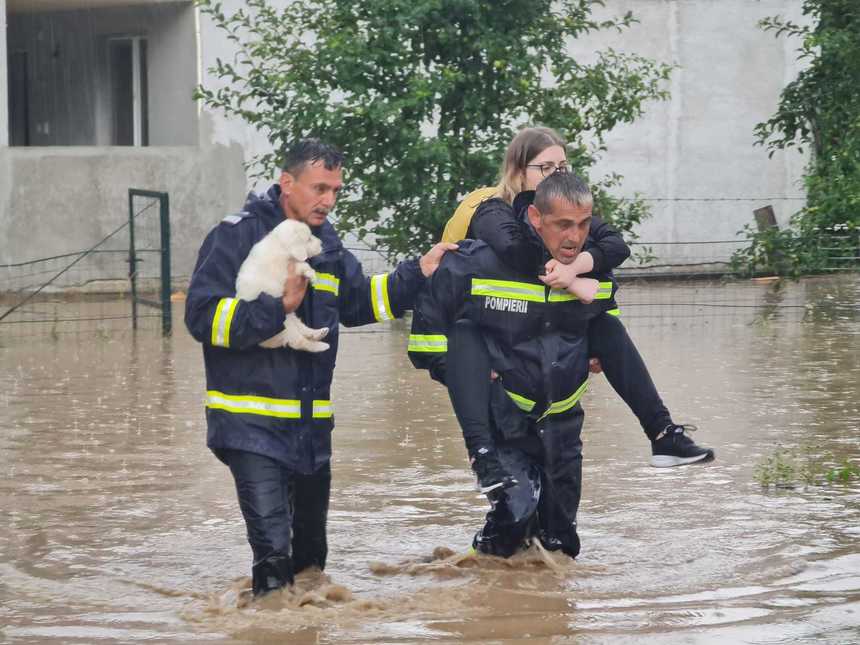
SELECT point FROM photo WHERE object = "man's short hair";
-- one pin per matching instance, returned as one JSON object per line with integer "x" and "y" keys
{"x": 306, "y": 151}
{"x": 562, "y": 185}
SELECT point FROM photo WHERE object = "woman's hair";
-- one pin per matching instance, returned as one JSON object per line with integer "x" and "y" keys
{"x": 524, "y": 147}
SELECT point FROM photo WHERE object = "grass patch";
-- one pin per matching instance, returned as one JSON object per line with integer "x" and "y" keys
{"x": 792, "y": 468}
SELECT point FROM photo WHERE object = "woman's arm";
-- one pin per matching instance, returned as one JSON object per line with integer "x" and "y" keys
{"x": 496, "y": 223}
{"x": 606, "y": 246}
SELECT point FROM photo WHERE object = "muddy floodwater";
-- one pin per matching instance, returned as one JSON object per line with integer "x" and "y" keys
{"x": 117, "y": 525}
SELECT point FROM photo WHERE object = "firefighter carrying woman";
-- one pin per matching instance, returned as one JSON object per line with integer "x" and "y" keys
{"x": 495, "y": 327}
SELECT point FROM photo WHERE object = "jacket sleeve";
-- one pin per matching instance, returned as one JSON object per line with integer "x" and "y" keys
{"x": 606, "y": 246}
{"x": 364, "y": 300}
{"x": 495, "y": 222}
{"x": 213, "y": 314}
{"x": 434, "y": 313}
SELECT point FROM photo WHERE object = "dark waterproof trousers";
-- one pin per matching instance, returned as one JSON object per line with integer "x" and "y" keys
{"x": 545, "y": 457}
{"x": 544, "y": 502}
{"x": 285, "y": 516}
{"x": 626, "y": 372}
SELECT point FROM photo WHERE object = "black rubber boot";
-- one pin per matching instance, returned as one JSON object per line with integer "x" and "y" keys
{"x": 568, "y": 544}
{"x": 273, "y": 573}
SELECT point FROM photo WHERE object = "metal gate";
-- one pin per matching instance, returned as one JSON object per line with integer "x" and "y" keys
{"x": 89, "y": 290}
{"x": 139, "y": 249}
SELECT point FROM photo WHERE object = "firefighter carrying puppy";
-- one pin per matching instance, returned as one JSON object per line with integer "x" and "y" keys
{"x": 525, "y": 447}
{"x": 268, "y": 412}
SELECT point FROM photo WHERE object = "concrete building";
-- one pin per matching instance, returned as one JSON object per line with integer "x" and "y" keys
{"x": 96, "y": 97}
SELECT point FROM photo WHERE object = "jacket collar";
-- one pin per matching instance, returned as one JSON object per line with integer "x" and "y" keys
{"x": 269, "y": 205}
{"x": 522, "y": 201}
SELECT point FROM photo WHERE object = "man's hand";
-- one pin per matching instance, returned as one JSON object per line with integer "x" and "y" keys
{"x": 295, "y": 287}
{"x": 429, "y": 262}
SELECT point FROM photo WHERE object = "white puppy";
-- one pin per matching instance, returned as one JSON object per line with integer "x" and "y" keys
{"x": 265, "y": 270}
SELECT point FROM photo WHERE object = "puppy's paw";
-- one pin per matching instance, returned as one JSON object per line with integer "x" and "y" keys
{"x": 317, "y": 334}
{"x": 307, "y": 345}
{"x": 304, "y": 269}
{"x": 317, "y": 346}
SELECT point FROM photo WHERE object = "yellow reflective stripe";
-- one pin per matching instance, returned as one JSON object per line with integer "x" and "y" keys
{"x": 566, "y": 404}
{"x": 322, "y": 409}
{"x": 326, "y": 282}
{"x": 428, "y": 343}
{"x": 509, "y": 289}
{"x": 379, "y": 297}
{"x": 524, "y": 404}
{"x": 222, "y": 321}
{"x": 527, "y": 405}
{"x": 249, "y": 404}
{"x": 604, "y": 292}
{"x": 614, "y": 312}
{"x": 560, "y": 295}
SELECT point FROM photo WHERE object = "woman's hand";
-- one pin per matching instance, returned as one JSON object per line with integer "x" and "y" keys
{"x": 585, "y": 289}
{"x": 560, "y": 276}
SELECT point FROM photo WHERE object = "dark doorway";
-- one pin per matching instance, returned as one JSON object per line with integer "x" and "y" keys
{"x": 19, "y": 100}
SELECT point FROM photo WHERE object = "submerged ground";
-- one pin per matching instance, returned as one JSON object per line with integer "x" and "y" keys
{"x": 117, "y": 525}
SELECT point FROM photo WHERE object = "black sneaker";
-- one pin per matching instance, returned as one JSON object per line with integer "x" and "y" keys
{"x": 673, "y": 447}
{"x": 492, "y": 477}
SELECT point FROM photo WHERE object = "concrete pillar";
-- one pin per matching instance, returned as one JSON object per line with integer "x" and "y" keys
{"x": 4, "y": 80}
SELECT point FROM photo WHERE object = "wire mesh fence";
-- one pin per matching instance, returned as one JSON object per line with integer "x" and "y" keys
{"x": 683, "y": 282}
{"x": 86, "y": 291}
{"x": 741, "y": 303}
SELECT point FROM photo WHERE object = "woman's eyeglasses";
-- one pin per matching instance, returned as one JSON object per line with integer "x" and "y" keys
{"x": 549, "y": 168}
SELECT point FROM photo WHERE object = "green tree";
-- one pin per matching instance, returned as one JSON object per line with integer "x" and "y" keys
{"x": 820, "y": 112}
{"x": 423, "y": 96}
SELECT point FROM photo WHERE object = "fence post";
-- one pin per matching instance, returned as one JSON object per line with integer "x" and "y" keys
{"x": 765, "y": 220}
{"x": 162, "y": 303}
{"x": 166, "y": 305}
{"x": 132, "y": 259}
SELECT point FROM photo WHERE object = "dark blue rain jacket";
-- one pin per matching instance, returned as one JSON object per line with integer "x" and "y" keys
{"x": 276, "y": 402}
{"x": 536, "y": 336}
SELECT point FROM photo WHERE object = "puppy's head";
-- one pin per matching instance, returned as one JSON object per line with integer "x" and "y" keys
{"x": 297, "y": 240}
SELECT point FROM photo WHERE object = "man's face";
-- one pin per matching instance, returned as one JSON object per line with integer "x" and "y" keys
{"x": 563, "y": 229}
{"x": 311, "y": 194}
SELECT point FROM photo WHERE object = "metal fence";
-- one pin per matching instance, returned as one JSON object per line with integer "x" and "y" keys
{"x": 123, "y": 282}
{"x": 96, "y": 290}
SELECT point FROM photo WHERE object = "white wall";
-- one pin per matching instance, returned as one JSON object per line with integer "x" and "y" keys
{"x": 213, "y": 43}
{"x": 173, "y": 77}
{"x": 65, "y": 199}
{"x": 699, "y": 145}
